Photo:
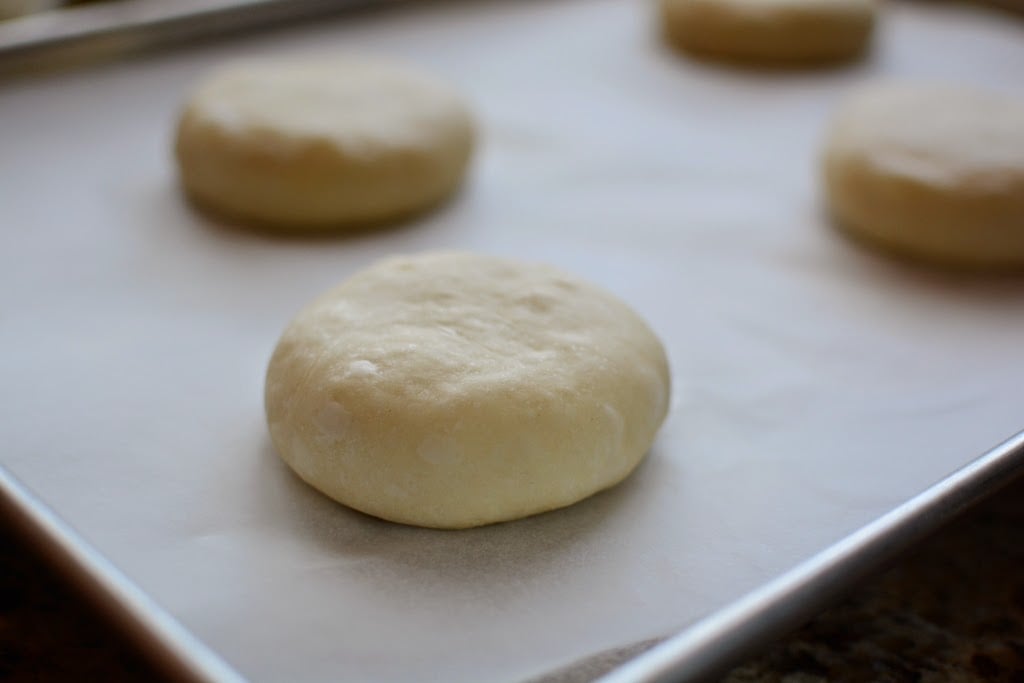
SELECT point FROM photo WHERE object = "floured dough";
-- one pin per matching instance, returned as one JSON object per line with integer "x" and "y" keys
{"x": 935, "y": 172}
{"x": 770, "y": 30}
{"x": 322, "y": 143}
{"x": 453, "y": 390}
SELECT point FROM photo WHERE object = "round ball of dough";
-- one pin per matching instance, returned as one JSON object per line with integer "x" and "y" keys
{"x": 770, "y": 30}
{"x": 452, "y": 390}
{"x": 322, "y": 144}
{"x": 933, "y": 172}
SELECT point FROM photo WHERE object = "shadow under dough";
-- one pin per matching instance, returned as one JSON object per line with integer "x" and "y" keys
{"x": 763, "y": 66}
{"x": 957, "y": 284}
{"x": 502, "y": 552}
{"x": 215, "y": 219}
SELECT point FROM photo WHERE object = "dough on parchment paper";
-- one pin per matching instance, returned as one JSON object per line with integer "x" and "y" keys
{"x": 322, "y": 143}
{"x": 770, "y": 31}
{"x": 933, "y": 172}
{"x": 452, "y": 390}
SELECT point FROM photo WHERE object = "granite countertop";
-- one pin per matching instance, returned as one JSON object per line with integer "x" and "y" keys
{"x": 950, "y": 610}
{"x": 47, "y": 634}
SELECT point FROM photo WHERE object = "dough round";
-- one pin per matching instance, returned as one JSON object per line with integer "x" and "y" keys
{"x": 934, "y": 172}
{"x": 322, "y": 144}
{"x": 770, "y": 30}
{"x": 452, "y": 390}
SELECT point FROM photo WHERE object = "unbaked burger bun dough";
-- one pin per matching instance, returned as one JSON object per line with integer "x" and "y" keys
{"x": 770, "y": 31}
{"x": 322, "y": 143}
{"x": 452, "y": 390}
{"x": 932, "y": 172}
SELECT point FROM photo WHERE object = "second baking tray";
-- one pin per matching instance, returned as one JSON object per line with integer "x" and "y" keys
{"x": 816, "y": 386}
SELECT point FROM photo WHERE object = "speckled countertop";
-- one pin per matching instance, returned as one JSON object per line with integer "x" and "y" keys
{"x": 47, "y": 635}
{"x": 951, "y": 610}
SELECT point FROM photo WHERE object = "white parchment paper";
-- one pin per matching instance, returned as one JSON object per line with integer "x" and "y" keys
{"x": 816, "y": 385}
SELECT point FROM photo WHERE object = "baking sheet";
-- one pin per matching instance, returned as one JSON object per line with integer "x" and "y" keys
{"x": 126, "y": 611}
{"x": 816, "y": 386}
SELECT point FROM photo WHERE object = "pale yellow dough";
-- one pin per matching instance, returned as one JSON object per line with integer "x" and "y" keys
{"x": 770, "y": 31}
{"x": 452, "y": 390}
{"x": 322, "y": 143}
{"x": 933, "y": 172}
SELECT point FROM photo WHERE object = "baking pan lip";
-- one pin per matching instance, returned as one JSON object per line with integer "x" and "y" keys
{"x": 709, "y": 647}
{"x": 87, "y": 34}
{"x": 165, "y": 643}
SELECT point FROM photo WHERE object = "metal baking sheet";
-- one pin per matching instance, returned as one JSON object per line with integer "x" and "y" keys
{"x": 70, "y": 36}
{"x": 167, "y": 647}
{"x": 709, "y": 647}
{"x": 817, "y": 386}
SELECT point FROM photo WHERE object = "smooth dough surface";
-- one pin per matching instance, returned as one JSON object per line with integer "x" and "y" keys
{"x": 452, "y": 390}
{"x": 933, "y": 172}
{"x": 770, "y": 30}
{"x": 322, "y": 143}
